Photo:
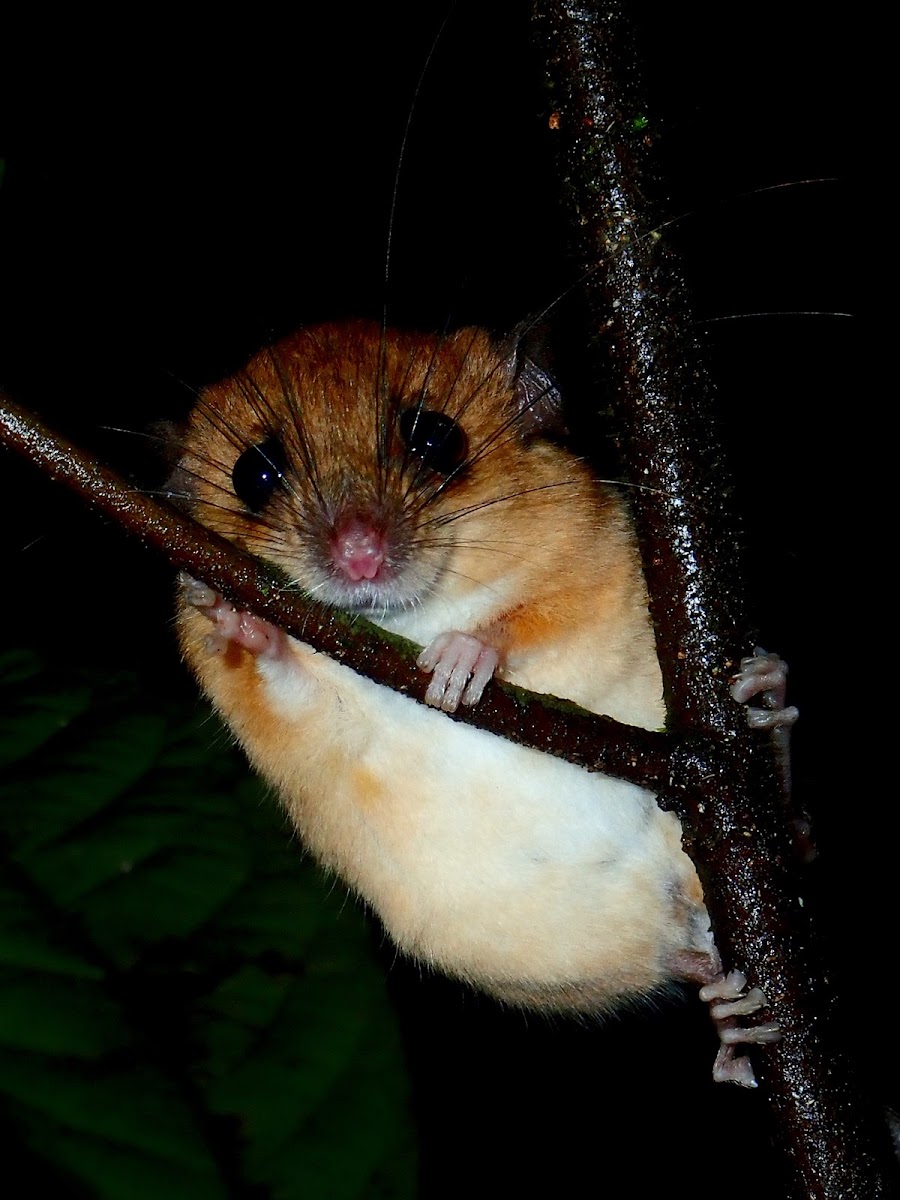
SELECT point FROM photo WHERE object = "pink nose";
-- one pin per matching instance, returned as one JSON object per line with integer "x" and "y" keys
{"x": 358, "y": 549}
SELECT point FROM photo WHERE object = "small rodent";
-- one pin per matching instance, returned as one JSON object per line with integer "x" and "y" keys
{"x": 411, "y": 478}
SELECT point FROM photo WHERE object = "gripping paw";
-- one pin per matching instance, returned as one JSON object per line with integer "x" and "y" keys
{"x": 460, "y": 666}
{"x": 233, "y": 626}
{"x": 729, "y": 999}
{"x": 764, "y": 675}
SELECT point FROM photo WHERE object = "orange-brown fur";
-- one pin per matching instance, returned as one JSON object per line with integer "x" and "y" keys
{"x": 519, "y": 873}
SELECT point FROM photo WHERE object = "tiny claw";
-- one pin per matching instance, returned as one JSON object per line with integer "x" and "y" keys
{"x": 461, "y": 666}
{"x": 736, "y": 1000}
{"x": 724, "y": 987}
{"x": 731, "y": 1068}
{"x": 765, "y": 675}
{"x": 232, "y": 625}
{"x": 195, "y": 592}
{"x": 751, "y": 1002}
{"x": 763, "y": 718}
{"x": 756, "y": 1035}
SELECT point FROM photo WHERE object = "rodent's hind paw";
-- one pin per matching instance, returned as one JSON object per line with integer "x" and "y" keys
{"x": 461, "y": 666}
{"x": 764, "y": 675}
{"x": 233, "y": 626}
{"x": 729, "y": 999}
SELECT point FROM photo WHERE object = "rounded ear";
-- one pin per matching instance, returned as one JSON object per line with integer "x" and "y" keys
{"x": 168, "y": 439}
{"x": 178, "y": 482}
{"x": 537, "y": 396}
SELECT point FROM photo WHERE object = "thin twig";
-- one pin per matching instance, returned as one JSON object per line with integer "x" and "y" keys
{"x": 540, "y": 722}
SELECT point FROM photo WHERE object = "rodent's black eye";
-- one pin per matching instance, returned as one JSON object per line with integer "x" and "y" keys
{"x": 437, "y": 439}
{"x": 257, "y": 472}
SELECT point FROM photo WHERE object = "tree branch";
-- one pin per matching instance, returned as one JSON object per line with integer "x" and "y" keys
{"x": 834, "y": 1144}
{"x": 540, "y": 722}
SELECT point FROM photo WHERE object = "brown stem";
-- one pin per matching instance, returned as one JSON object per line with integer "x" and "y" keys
{"x": 834, "y": 1145}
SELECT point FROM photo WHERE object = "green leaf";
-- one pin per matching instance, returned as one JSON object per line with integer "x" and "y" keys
{"x": 29, "y": 717}
{"x": 187, "y": 1007}
{"x": 111, "y": 1124}
{"x": 82, "y": 769}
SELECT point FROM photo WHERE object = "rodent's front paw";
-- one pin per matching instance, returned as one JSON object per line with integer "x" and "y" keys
{"x": 233, "y": 626}
{"x": 460, "y": 665}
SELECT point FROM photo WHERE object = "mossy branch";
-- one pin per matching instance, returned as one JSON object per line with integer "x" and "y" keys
{"x": 540, "y": 722}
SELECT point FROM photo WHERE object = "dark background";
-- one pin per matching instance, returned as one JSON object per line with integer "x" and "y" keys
{"x": 178, "y": 191}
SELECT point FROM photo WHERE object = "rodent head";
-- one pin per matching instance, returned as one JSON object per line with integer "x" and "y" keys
{"x": 374, "y": 467}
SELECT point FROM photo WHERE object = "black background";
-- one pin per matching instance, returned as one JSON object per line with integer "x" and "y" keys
{"x": 178, "y": 190}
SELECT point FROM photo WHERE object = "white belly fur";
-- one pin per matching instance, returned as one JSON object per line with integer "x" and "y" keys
{"x": 507, "y": 867}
